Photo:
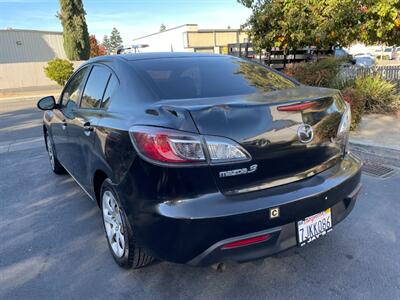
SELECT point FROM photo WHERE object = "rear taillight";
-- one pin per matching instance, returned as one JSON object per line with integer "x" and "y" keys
{"x": 161, "y": 145}
{"x": 297, "y": 106}
{"x": 222, "y": 150}
{"x": 168, "y": 146}
{"x": 344, "y": 128}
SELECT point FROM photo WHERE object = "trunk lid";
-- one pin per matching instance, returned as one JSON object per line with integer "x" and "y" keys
{"x": 275, "y": 128}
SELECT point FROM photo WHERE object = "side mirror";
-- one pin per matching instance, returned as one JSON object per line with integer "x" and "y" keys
{"x": 47, "y": 103}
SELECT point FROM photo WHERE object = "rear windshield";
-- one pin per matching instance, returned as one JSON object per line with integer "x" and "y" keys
{"x": 203, "y": 77}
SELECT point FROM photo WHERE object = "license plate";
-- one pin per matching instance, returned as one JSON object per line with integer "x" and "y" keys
{"x": 314, "y": 227}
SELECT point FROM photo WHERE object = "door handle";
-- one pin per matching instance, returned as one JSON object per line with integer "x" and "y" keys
{"x": 87, "y": 128}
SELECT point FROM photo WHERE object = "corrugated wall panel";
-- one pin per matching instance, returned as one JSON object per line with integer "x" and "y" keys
{"x": 30, "y": 46}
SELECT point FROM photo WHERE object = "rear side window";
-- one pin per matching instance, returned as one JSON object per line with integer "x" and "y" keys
{"x": 111, "y": 86}
{"x": 201, "y": 77}
{"x": 95, "y": 87}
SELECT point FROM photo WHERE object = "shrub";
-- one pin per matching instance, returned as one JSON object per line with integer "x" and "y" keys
{"x": 320, "y": 73}
{"x": 380, "y": 95}
{"x": 357, "y": 105}
{"x": 365, "y": 93}
{"x": 59, "y": 70}
{"x": 341, "y": 82}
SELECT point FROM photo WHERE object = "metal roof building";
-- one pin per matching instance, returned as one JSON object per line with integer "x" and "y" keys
{"x": 20, "y": 45}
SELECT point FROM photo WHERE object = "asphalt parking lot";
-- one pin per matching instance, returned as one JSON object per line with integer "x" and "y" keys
{"x": 52, "y": 243}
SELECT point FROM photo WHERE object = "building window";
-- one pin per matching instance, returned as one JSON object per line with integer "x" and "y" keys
{"x": 204, "y": 50}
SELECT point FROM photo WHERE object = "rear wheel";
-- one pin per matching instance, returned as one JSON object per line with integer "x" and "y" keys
{"x": 120, "y": 236}
{"x": 54, "y": 163}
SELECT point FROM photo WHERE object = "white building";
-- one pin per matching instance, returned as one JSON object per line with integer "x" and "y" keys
{"x": 358, "y": 48}
{"x": 188, "y": 38}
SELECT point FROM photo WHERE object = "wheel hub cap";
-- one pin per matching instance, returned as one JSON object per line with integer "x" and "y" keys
{"x": 113, "y": 224}
{"x": 50, "y": 151}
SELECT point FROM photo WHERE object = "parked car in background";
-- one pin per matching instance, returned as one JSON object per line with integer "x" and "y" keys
{"x": 201, "y": 158}
{"x": 341, "y": 53}
{"x": 364, "y": 59}
{"x": 385, "y": 53}
{"x": 397, "y": 53}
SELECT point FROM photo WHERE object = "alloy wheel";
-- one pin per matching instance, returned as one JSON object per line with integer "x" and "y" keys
{"x": 113, "y": 223}
{"x": 50, "y": 152}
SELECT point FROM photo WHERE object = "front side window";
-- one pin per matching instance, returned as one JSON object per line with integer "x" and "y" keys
{"x": 72, "y": 92}
{"x": 95, "y": 87}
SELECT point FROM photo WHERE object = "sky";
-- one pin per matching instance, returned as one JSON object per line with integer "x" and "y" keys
{"x": 133, "y": 18}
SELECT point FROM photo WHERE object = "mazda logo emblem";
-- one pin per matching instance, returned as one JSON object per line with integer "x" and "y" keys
{"x": 305, "y": 133}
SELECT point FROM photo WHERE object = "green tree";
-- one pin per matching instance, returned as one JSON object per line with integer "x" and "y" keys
{"x": 263, "y": 24}
{"x": 115, "y": 39}
{"x": 106, "y": 44}
{"x": 291, "y": 24}
{"x": 380, "y": 22}
{"x": 295, "y": 26}
{"x": 75, "y": 32}
{"x": 335, "y": 22}
{"x": 285, "y": 24}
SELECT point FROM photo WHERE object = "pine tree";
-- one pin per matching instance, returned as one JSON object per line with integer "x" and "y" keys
{"x": 75, "y": 32}
{"x": 115, "y": 39}
{"x": 106, "y": 44}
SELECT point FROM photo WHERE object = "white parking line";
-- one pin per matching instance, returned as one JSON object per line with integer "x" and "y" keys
{"x": 21, "y": 144}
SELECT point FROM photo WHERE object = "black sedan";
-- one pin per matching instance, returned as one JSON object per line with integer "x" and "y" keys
{"x": 199, "y": 159}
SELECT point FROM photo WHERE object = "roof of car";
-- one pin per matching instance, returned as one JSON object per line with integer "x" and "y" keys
{"x": 152, "y": 55}
{"x": 156, "y": 55}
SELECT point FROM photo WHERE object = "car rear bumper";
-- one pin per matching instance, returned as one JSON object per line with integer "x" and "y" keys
{"x": 193, "y": 230}
{"x": 279, "y": 239}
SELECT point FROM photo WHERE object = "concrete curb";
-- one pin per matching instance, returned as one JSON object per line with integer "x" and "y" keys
{"x": 30, "y": 96}
{"x": 386, "y": 150}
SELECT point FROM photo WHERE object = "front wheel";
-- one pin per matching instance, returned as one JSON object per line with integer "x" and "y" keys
{"x": 120, "y": 237}
{"x": 54, "y": 163}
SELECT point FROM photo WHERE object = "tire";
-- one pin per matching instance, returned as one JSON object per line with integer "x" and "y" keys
{"x": 119, "y": 234}
{"x": 54, "y": 163}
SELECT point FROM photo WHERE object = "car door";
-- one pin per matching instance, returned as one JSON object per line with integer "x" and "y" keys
{"x": 82, "y": 129}
{"x": 64, "y": 114}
